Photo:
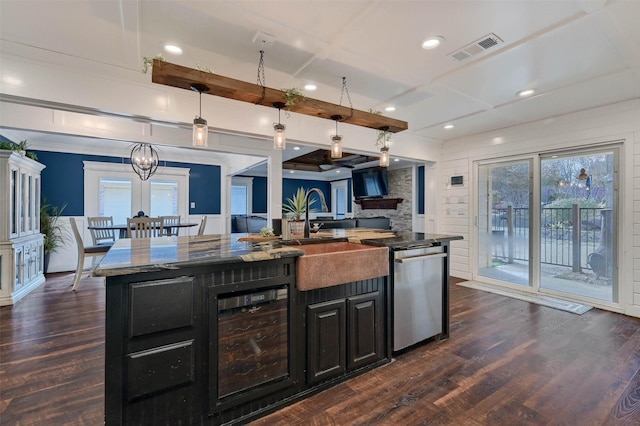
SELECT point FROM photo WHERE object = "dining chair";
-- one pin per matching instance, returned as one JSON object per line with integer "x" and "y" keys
{"x": 102, "y": 236}
{"x": 83, "y": 252}
{"x": 168, "y": 222}
{"x": 203, "y": 224}
{"x": 145, "y": 227}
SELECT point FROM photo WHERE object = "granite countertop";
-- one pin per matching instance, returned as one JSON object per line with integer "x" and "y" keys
{"x": 411, "y": 240}
{"x": 130, "y": 256}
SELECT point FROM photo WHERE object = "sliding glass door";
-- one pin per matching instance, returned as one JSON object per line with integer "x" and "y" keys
{"x": 504, "y": 202}
{"x": 577, "y": 223}
{"x": 565, "y": 241}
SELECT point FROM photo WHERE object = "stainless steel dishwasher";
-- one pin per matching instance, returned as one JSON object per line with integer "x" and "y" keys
{"x": 417, "y": 294}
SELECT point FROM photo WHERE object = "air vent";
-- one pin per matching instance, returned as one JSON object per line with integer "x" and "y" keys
{"x": 488, "y": 42}
{"x": 476, "y": 47}
{"x": 461, "y": 55}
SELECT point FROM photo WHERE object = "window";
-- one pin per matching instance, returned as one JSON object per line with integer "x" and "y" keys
{"x": 340, "y": 199}
{"x": 164, "y": 198}
{"x": 241, "y": 195}
{"x": 115, "y": 199}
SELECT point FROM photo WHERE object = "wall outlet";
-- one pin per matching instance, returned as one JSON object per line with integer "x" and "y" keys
{"x": 193, "y": 204}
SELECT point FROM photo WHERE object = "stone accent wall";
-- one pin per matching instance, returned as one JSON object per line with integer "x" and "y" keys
{"x": 400, "y": 186}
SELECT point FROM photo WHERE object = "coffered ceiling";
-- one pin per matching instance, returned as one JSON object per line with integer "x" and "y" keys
{"x": 320, "y": 161}
{"x": 577, "y": 54}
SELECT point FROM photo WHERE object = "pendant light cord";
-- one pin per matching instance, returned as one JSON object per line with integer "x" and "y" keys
{"x": 261, "y": 78}
{"x": 345, "y": 89}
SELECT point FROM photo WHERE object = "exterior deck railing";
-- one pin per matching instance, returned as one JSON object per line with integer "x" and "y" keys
{"x": 567, "y": 235}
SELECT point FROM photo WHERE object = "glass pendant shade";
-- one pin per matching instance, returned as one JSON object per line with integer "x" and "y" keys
{"x": 144, "y": 160}
{"x": 200, "y": 133}
{"x": 200, "y": 136}
{"x": 384, "y": 156}
{"x": 279, "y": 139}
{"x": 336, "y": 140}
{"x": 336, "y": 146}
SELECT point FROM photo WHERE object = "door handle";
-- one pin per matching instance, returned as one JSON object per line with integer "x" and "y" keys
{"x": 420, "y": 257}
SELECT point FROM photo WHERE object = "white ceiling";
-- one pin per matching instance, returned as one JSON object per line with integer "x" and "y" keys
{"x": 577, "y": 54}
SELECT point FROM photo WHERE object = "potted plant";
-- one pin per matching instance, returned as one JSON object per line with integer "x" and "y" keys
{"x": 291, "y": 97}
{"x": 52, "y": 229}
{"x": 20, "y": 148}
{"x": 295, "y": 207}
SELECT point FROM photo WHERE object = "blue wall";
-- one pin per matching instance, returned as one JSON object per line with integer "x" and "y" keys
{"x": 259, "y": 199}
{"x": 420, "y": 189}
{"x": 63, "y": 181}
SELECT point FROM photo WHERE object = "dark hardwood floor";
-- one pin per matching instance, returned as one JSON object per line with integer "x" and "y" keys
{"x": 507, "y": 362}
{"x": 52, "y": 355}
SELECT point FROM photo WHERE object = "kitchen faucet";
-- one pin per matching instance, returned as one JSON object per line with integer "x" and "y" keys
{"x": 307, "y": 228}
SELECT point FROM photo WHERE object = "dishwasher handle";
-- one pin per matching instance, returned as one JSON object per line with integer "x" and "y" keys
{"x": 420, "y": 257}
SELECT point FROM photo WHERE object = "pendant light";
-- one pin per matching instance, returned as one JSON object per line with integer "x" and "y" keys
{"x": 384, "y": 151}
{"x": 200, "y": 129}
{"x": 144, "y": 160}
{"x": 336, "y": 140}
{"x": 279, "y": 139}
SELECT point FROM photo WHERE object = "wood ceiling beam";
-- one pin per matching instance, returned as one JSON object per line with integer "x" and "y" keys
{"x": 183, "y": 77}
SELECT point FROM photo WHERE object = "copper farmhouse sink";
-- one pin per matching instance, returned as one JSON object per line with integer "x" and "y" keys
{"x": 335, "y": 263}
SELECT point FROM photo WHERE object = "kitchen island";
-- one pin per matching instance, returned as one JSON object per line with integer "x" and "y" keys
{"x": 212, "y": 330}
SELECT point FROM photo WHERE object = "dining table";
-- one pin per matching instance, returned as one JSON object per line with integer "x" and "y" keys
{"x": 122, "y": 228}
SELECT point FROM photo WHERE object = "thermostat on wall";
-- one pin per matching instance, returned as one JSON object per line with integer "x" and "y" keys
{"x": 457, "y": 180}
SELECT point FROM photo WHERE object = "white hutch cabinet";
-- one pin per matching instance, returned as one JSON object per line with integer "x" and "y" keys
{"x": 21, "y": 243}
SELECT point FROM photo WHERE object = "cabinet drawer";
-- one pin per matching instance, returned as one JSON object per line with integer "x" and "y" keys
{"x": 160, "y": 305}
{"x": 159, "y": 369}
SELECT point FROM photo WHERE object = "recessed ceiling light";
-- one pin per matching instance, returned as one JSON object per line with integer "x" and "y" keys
{"x": 449, "y": 126}
{"x": 310, "y": 87}
{"x": 173, "y": 49}
{"x": 390, "y": 108}
{"x": 432, "y": 42}
{"x": 291, "y": 171}
{"x": 296, "y": 148}
{"x": 396, "y": 159}
{"x": 526, "y": 92}
{"x": 337, "y": 171}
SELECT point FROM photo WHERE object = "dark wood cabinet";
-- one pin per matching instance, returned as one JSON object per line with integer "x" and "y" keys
{"x": 343, "y": 335}
{"x": 176, "y": 355}
{"x": 366, "y": 331}
{"x": 168, "y": 346}
{"x": 155, "y": 350}
{"x": 326, "y": 340}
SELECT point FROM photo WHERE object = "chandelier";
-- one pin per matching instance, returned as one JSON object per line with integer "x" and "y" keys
{"x": 144, "y": 160}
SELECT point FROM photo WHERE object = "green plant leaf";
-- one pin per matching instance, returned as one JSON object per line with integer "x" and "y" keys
{"x": 295, "y": 207}
{"x": 51, "y": 227}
